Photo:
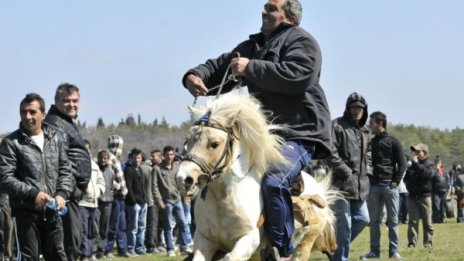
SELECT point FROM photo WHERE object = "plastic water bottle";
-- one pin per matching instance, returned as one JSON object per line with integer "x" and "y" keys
{"x": 51, "y": 204}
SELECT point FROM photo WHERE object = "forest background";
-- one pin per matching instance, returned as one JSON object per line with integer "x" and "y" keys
{"x": 147, "y": 136}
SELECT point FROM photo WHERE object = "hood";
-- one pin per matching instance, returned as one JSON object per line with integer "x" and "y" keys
{"x": 359, "y": 99}
{"x": 115, "y": 145}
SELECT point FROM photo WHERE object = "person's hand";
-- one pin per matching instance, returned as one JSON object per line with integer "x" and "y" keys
{"x": 196, "y": 86}
{"x": 414, "y": 159}
{"x": 238, "y": 65}
{"x": 60, "y": 202}
{"x": 41, "y": 199}
{"x": 116, "y": 185}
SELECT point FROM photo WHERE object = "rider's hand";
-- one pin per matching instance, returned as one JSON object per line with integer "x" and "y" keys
{"x": 196, "y": 86}
{"x": 238, "y": 65}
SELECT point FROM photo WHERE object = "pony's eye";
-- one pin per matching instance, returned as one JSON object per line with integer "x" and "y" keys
{"x": 214, "y": 145}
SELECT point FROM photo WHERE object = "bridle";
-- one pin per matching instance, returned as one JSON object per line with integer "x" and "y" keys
{"x": 211, "y": 172}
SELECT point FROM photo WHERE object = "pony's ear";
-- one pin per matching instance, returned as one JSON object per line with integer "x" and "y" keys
{"x": 232, "y": 118}
{"x": 192, "y": 110}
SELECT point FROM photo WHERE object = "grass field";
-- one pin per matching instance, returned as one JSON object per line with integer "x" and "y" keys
{"x": 448, "y": 245}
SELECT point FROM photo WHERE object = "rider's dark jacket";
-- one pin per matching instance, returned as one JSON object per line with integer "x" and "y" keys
{"x": 25, "y": 170}
{"x": 283, "y": 74}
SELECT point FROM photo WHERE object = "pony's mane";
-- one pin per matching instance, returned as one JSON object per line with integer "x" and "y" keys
{"x": 243, "y": 113}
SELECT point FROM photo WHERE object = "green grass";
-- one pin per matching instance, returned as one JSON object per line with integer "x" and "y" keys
{"x": 448, "y": 245}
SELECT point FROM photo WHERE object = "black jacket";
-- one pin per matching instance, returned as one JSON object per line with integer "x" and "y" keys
{"x": 283, "y": 74}
{"x": 136, "y": 190}
{"x": 388, "y": 161}
{"x": 350, "y": 162}
{"x": 25, "y": 170}
{"x": 418, "y": 179}
{"x": 440, "y": 182}
{"x": 75, "y": 147}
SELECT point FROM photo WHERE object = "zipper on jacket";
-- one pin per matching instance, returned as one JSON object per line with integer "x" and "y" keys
{"x": 45, "y": 173}
{"x": 42, "y": 155}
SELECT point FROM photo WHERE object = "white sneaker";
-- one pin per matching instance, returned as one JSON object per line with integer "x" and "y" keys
{"x": 171, "y": 253}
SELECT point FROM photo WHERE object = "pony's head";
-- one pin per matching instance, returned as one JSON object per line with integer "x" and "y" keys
{"x": 225, "y": 129}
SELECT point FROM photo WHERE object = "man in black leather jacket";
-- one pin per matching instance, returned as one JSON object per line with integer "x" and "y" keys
{"x": 350, "y": 164}
{"x": 281, "y": 66}
{"x": 34, "y": 169}
{"x": 62, "y": 116}
{"x": 388, "y": 166}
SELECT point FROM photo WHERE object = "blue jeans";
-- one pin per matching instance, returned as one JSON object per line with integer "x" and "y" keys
{"x": 136, "y": 223}
{"x": 188, "y": 221}
{"x": 379, "y": 197}
{"x": 175, "y": 210}
{"x": 117, "y": 228}
{"x": 352, "y": 217}
{"x": 279, "y": 224}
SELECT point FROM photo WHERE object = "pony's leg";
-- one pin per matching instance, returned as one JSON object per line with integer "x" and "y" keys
{"x": 245, "y": 246}
{"x": 204, "y": 249}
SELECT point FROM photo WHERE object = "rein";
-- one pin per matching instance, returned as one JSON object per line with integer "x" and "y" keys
{"x": 231, "y": 77}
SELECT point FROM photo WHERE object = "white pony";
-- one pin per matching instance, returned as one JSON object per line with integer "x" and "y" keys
{"x": 229, "y": 148}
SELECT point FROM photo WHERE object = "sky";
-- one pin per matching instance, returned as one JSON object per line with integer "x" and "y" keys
{"x": 128, "y": 57}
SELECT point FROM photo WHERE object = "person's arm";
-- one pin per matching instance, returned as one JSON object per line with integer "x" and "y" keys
{"x": 399, "y": 160}
{"x": 100, "y": 183}
{"x": 8, "y": 167}
{"x": 335, "y": 162}
{"x": 369, "y": 165}
{"x": 424, "y": 171}
{"x": 83, "y": 166}
{"x": 65, "y": 177}
{"x": 211, "y": 72}
{"x": 298, "y": 67}
{"x": 129, "y": 176}
{"x": 156, "y": 193}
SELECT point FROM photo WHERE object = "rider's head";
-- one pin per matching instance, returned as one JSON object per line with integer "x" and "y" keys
{"x": 277, "y": 12}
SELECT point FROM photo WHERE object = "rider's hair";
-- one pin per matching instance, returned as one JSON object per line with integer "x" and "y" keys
{"x": 293, "y": 8}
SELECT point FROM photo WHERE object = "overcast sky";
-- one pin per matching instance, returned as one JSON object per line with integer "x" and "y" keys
{"x": 405, "y": 57}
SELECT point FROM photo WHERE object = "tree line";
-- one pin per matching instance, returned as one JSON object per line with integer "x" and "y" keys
{"x": 147, "y": 136}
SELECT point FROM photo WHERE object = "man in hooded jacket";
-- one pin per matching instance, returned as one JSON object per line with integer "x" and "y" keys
{"x": 350, "y": 164}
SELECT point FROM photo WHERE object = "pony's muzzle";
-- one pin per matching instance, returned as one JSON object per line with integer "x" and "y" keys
{"x": 188, "y": 183}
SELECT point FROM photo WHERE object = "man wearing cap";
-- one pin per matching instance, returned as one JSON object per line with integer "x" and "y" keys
{"x": 418, "y": 179}
{"x": 350, "y": 165}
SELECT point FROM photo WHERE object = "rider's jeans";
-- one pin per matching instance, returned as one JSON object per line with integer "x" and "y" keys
{"x": 279, "y": 225}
